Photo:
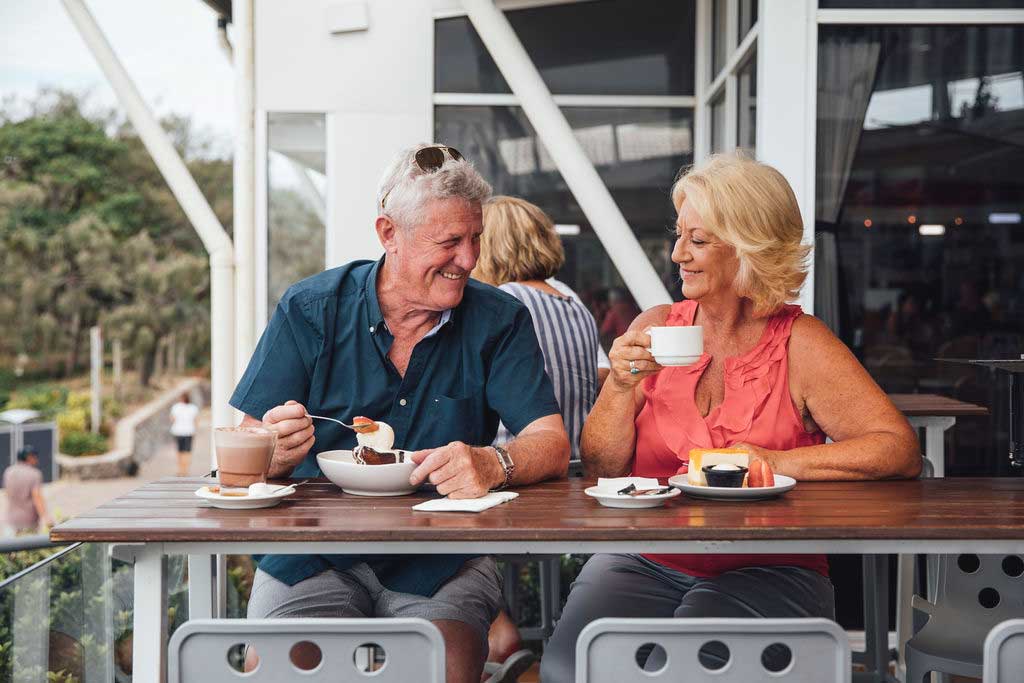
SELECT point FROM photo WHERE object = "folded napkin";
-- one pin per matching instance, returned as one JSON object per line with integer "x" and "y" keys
{"x": 610, "y": 486}
{"x": 468, "y": 504}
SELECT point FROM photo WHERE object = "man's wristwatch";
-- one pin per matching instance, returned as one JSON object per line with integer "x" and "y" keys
{"x": 506, "y": 464}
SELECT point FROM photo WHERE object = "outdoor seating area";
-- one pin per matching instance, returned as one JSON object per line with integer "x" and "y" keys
{"x": 512, "y": 341}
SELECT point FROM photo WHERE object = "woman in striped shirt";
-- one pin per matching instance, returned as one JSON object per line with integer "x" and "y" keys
{"x": 520, "y": 252}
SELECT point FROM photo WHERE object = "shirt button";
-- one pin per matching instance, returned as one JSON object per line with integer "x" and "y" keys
{"x": 402, "y": 402}
{"x": 371, "y": 329}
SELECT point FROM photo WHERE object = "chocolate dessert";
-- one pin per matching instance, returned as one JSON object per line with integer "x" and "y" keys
{"x": 365, "y": 455}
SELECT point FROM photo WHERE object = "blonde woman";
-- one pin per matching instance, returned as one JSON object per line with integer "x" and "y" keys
{"x": 520, "y": 253}
{"x": 771, "y": 378}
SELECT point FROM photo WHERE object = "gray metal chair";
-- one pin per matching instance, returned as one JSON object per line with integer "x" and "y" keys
{"x": 394, "y": 650}
{"x": 713, "y": 651}
{"x": 1004, "y": 653}
{"x": 974, "y": 593}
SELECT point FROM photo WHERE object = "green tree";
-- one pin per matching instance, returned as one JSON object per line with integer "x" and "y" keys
{"x": 90, "y": 233}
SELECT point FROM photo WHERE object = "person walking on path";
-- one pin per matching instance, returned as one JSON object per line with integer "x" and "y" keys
{"x": 25, "y": 504}
{"x": 183, "y": 428}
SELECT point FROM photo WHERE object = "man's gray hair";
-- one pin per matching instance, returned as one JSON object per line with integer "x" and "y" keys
{"x": 405, "y": 187}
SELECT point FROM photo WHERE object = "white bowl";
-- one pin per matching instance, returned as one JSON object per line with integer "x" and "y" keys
{"x": 366, "y": 480}
{"x": 671, "y": 361}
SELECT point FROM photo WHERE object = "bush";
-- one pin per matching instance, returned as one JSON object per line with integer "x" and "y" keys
{"x": 47, "y": 399}
{"x": 72, "y": 421}
{"x": 112, "y": 408}
{"x": 83, "y": 443}
{"x": 80, "y": 400}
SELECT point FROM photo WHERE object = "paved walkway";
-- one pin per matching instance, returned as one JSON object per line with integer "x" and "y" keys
{"x": 66, "y": 498}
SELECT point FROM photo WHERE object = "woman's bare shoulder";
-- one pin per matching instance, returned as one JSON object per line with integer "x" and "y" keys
{"x": 813, "y": 347}
{"x": 651, "y": 317}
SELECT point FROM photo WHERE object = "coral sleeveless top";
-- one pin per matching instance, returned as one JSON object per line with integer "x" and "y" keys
{"x": 757, "y": 409}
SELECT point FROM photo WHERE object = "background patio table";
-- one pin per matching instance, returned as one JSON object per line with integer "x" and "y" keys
{"x": 164, "y": 517}
{"x": 935, "y": 414}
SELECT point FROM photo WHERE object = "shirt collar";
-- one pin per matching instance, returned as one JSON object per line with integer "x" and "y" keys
{"x": 375, "y": 317}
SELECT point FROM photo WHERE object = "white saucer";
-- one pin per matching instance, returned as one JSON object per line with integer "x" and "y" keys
{"x": 246, "y": 502}
{"x": 782, "y": 484}
{"x": 673, "y": 361}
{"x": 618, "y": 500}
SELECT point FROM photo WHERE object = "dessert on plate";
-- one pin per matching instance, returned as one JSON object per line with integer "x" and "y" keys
{"x": 728, "y": 467}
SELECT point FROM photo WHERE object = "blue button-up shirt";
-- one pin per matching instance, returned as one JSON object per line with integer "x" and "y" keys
{"x": 326, "y": 347}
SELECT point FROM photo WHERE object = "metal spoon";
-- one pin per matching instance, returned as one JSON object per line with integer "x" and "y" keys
{"x": 292, "y": 486}
{"x": 331, "y": 419}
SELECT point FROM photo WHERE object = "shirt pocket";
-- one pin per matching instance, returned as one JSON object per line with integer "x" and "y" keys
{"x": 462, "y": 418}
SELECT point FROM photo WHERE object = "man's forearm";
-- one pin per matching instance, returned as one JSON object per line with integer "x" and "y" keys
{"x": 538, "y": 456}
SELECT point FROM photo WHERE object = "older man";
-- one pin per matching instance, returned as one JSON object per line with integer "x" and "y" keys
{"x": 412, "y": 341}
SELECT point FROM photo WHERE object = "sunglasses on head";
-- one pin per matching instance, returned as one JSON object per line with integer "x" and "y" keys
{"x": 430, "y": 159}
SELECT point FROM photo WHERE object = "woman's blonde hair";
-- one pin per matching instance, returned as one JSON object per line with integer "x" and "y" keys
{"x": 519, "y": 243}
{"x": 750, "y": 206}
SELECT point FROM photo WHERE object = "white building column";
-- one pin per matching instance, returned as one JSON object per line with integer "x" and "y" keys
{"x": 244, "y": 184}
{"x": 787, "y": 73}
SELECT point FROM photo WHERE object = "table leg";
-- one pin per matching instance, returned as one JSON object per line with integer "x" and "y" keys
{"x": 201, "y": 586}
{"x": 934, "y": 427}
{"x": 222, "y": 586}
{"x": 149, "y": 634}
{"x": 905, "y": 565}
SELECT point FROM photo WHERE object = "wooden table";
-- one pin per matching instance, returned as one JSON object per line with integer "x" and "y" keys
{"x": 935, "y": 414}
{"x": 164, "y": 517}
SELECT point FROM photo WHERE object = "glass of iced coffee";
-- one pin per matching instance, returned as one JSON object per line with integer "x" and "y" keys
{"x": 243, "y": 454}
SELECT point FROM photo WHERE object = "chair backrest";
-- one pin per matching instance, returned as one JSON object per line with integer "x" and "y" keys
{"x": 984, "y": 589}
{"x": 713, "y": 650}
{"x": 1004, "y": 652}
{"x": 207, "y": 650}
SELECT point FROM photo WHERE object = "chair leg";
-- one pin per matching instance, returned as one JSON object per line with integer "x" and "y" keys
{"x": 876, "y": 616}
{"x": 916, "y": 672}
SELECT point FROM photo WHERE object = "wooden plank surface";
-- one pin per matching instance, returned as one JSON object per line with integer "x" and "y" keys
{"x": 952, "y": 508}
{"x": 923, "y": 405}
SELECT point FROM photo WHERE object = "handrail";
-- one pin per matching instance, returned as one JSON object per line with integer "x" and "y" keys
{"x": 33, "y": 542}
{"x": 60, "y": 553}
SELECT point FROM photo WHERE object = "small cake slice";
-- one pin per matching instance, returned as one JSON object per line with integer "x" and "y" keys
{"x": 701, "y": 457}
{"x": 366, "y": 455}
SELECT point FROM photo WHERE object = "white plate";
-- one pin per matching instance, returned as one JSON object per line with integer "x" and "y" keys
{"x": 782, "y": 484}
{"x": 673, "y": 361}
{"x": 617, "y": 500}
{"x": 244, "y": 502}
{"x": 366, "y": 480}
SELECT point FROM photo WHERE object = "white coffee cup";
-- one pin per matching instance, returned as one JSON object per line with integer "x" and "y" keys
{"x": 677, "y": 345}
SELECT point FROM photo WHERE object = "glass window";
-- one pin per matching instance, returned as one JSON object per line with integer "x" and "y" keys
{"x": 718, "y": 123}
{"x": 920, "y": 4}
{"x": 746, "y": 118}
{"x": 747, "y": 18}
{"x": 920, "y": 190}
{"x": 636, "y": 151}
{"x": 296, "y": 205}
{"x": 603, "y": 47}
{"x": 719, "y": 36}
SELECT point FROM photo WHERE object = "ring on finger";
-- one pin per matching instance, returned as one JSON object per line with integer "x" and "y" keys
{"x": 633, "y": 369}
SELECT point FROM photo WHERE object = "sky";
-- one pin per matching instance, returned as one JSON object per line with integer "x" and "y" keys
{"x": 169, "y": 48}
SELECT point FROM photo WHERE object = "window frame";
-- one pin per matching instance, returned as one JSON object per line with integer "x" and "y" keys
{"x": 261, "y": 213}
{"x": 710, "y": 86}
{"x": 682, "y": 102}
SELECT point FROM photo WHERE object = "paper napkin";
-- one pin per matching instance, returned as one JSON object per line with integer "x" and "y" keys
{"x": 468, "y": 504}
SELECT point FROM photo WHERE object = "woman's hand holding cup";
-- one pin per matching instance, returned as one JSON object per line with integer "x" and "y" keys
{"x": 631, "y": 360}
